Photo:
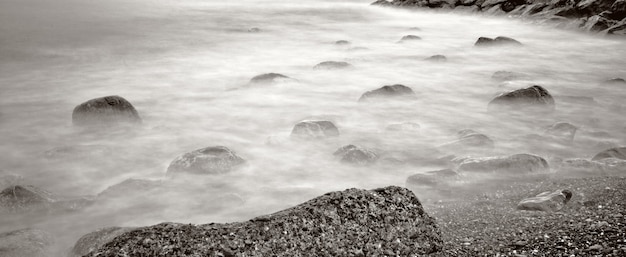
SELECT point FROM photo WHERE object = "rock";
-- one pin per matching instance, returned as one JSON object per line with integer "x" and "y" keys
{"x": 431, "y": 178}
{"x": 314, "y": 129}
{"x": 614, "y": 82}
{"x": 130, "y": 187}
{"x": 335, "y": 224}
{"x": 108, "y": 110}
{"x": 562, "y": 131}
{"x": 254, "y": 30}
{"x": 577, "y": 166}
{"x": 468, "y": 137}
{"x": 513, "y": 165}
{"x": 9, "y": 179}
{"x": 77, "y": 151}
{"x": 94, "y": 240}
{"x": 410, "y": 38}
{"x": 508, "y": 75}
{"x": 618, "y": 153}
{"x": 485, "y": 41}
{"x": 25, "y": 243}
{"x": 269, "y": 78}
{"x": 329, "y": 65}
{"x": 342, "y": 42}
{"x": 546, "y": 201}
{"x": 618, "y": 10}
{"x": 206, "y": 161}
{"x": 535, "y": 98}
{"x": 410, "y": 127}
{"x": 437, "y": 58}
{"x": 19, "y": 199}
{"x": 396, "y": 91}
{"x": 356, "y": 155}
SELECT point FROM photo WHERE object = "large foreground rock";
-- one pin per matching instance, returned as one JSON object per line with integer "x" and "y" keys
{"x": 25, "y": 243}
{"x": 514, "y": 164}
{"x": 382, "y": 222}
{"x": 535, "y": 98}
{"x": 314, "y": 129}
{"x": 206, "y": 161}
{"x": 108, "y": 110}
{"x": 546, "y": 201}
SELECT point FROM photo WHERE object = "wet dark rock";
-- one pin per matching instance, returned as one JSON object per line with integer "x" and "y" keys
{"x": 346, "y": 223}
{"x": 94, "y": 240}
{"x": 485, "y": 41}
{"x": 105, "y": 111}
{"x": 356, "y": 155}
{"x": 206, "y": 161}
{"x": 130, "y": 187}
{"x": 342, "y": 42}
{"x": 254, "y": 30}
{"x": 562, "y": 131}
{"x": 388, "y": 92}
{"x": 431, "y": 178}
{"x": 508, "y": 75}
{"x": 26, "y": 243}
{"x": 269, "y": 78}
{"x": 329, "y": 65}
{"x": 535, "y": 98}
{"x": 514, "y": 164}
{"x": 437, "y": 58}
{"x": 410, "y": 127}
{"x": 77, "y": 151}
{"x": 314, "y": 129}
{"x": 618, "y": 153}
{"x": 546, "y": 201}
{"x": 410, "y": 38}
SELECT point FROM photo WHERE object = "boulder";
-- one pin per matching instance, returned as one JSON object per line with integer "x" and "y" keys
{"x": 356, "y": 155}
{"x": 269, "y": 78}
{"x": 410, "y": 38}
{"x": 342, "y": 42}
{"x": 511, "y": 165}
{"x": 94, "y": 240}
{"x": 617, "y": 152}
{"x": 19, "y": 199}
{"x": 437, "y": 58}
{"x": 314, "y": 129}
{"x": 26, "y": 243}
{"x": 485, "y": 41}
{"x": 562, "y": 131}
{"x": 396, "y": 91}
{"x": 546, "y": 201}
{"x": 614, "y": 82}
{"x": 508, "y": 75}
{"x": 330, "y": 65}
{"x": 105, "y": 111}
{"x": 535, "y": 98}
{"x": 431, "y": 178}
{"x": 387, "y": 221}
{"x": 468, "y": 137}
{"x": 211, "y": 160}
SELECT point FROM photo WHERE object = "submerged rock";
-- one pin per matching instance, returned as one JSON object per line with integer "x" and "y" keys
{"x": 206, "y": 161}
{"x": 356, "y": 155}
{"x": 614, "y": 82}
{"x": 342, "y": 42}
{"x": 77, "y": 151}
{"x": 26, "y": 243}
{"x": 94, "y": 240}
{"x": 130, "y": 187}
{"x": 396, "y": 91}
{"x": 617, "y": 152}
{"x": 410, "y": 38}
{"x": 562, "y": 131}
{"x": 18, "y": 199}
{"x": 269, "y": 78}
{"x": 431, "y": 178}
{"x": 105, "y": 111}
{"x": 546, "y": 201}
{"x": 254, "y": 30}
{"x": 437, "y": 58}
{"x": 329, "y": 65}
{"x": 508, "y": 75}
{"x": 514, "y": 164}
{"x": 408, "y": 127}
{"x": 485, "y": 41}
{"x": 314, "y": 129}
{"x": 353, "y": 222}
{"x": 535, "y": 98}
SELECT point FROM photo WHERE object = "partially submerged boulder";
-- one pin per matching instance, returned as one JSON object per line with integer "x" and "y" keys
{"x": 77, "y": 151}
{"x": 437, "y": 58}
{"x": 498, "y": 41}
{"x": 387, "y": 221}
{"x": 210, "y": 160}
{"x": 535, "y": 98}
{"x": 130, "y": 187}
{"x": 314, "y": 129}
{"x": 19, "y": 199}
{"x": 356, "y": 155}
{"x": 269, "y": 78}
{"x": 342, "y": 42}
{"x": 546, "y": 201}
{"x": 105, "y": 111}
{"x": 431, "y": 178}
{"x": 617, "y": 152}
{"x": 516, "y": 164}
{"x": 26, "y": 243}
{"x": 614, "y": 82}
{"x": 562, "y": 131}
{"x": 508, "y": 75}
{"x": 410, "y": 38}
{"x": 407, "y": 127}
{"x": 330, "y": 65}
{"x": 396, "y": 91}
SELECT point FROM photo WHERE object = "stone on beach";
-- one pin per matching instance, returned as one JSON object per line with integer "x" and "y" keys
{"x": 396, "y": 91}
{"x": 105, "y": 111}
{"x": 26, "y": 243}
{"x": 516, "y": 164}
{"x": 535, "y": 98}
{"x": 356, "y": 155}
{"x": 314, "y": 129}
{"x": 206, "y": 161}
{"x": 385, "y": 221}
{"x": 546, "y": 201}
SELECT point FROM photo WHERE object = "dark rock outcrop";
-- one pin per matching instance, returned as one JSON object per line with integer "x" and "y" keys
{"x": 618, "y": 153}
{"x": 356, "y": 155}
{"x": 396, "y": 91}
{"x": 535, "y": 98}
{"x": 513, "y": 165}
{"x": 485, "y": 41}
{"x": 387, "y": 221}
{"x": 329, "y": 65}
{"x": 105, "y": 111}
{"x": 26, "y": 242}
{"x": 206, "y": 161}
{"x": 314, "y": 129}
{"x": 546, "y": 201}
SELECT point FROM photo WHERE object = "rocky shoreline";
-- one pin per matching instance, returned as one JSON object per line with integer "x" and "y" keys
{"x": 601, "y": 16}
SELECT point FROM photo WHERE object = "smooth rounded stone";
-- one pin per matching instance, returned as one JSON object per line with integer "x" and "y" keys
{"x": 471, "y": 138}
{"x": 314, "y": 129}
{"x": 614, "y": 82}
{"x": 514, "y": 164}
{"x": 341, "y": 223}
{"x": 254, "y": 30}
{"x": 498, "y": 41}
{"x": 342, "y": 42}
{"x": 546, "y": 201}
{"x": 104, "y": 111}
{"x": 19, "y": 198}
{"x": 562, "y": 131}
{"x": 356, "y": 155}
{"x": 431, "y": 178}
{"x": 330, "y": 65}
{"x": 410, "y": 38}
{"x": 408, "y": 127}
{"x": 94, "y": 240}
{"x": 396, "y": 91}
{"x": 210, "y": 160}
{"x": 508, "y": 75}
{"x": 26, "y": 243}
{"x": 535, "y": 98}
{"x": 269, "y": 78}
{"x": 130, "y": 187}
{"x": 77, "y": 151}
{"x": 617, "y": 152}
{"x": 437, "y": 58}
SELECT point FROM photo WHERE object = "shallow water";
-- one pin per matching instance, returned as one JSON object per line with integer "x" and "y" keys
{"x": 185, "y": 65}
